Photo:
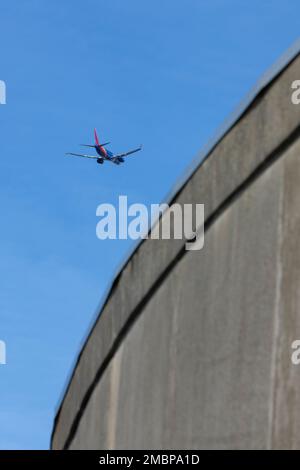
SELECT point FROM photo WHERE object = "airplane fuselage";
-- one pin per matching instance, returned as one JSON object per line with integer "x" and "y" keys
{"x": 105, "y": 154}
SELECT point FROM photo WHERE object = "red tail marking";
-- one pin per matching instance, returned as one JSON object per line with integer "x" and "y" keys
{"x": 96, "y": 137}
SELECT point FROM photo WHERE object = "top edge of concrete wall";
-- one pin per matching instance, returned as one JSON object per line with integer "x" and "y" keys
{"x": 259, "y": 89}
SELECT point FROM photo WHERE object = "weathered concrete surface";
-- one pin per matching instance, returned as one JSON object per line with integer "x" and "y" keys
{"x": 197, "y": 355}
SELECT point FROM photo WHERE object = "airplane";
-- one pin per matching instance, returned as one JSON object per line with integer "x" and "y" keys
{"x": 103, "y": 153}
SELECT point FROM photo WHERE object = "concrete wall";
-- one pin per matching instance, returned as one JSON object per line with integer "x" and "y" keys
{"x": 193, "y": 349}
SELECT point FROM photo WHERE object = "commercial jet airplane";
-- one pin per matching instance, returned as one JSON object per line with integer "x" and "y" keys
{"x": 104, "y": 154}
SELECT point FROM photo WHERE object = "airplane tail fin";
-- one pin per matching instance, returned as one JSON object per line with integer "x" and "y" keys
{"x": 96, "y": 137}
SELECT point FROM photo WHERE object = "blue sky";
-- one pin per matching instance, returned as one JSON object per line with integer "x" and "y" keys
{"x": 163, "y": 73}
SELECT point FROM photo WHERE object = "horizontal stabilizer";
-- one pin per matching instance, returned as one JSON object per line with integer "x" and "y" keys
{"x": 94, "y": 146}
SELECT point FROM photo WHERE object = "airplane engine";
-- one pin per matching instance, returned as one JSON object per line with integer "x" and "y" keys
{"x": 121, "y": 160}
{"x": 100, "y": 160}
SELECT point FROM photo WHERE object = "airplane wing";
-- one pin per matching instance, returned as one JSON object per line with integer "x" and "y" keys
{"x": 81, "y": 155}
{"x": 128, "y": 153}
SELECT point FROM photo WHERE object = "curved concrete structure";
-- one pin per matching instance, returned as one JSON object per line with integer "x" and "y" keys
{"x": 193, "y": 348}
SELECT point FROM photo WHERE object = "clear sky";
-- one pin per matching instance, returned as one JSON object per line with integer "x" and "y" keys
{"x": 164, "y": 73}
